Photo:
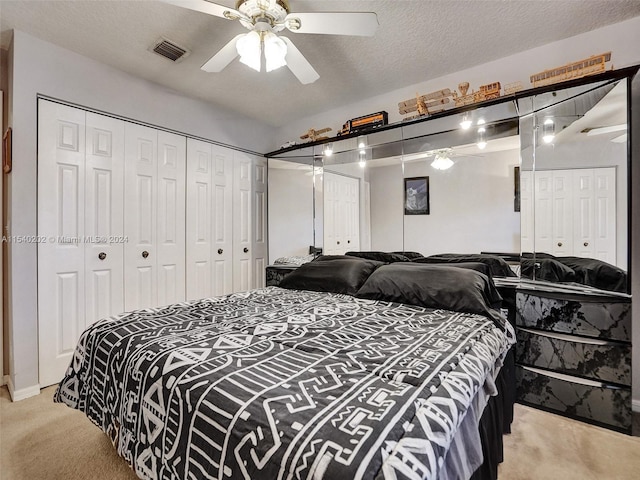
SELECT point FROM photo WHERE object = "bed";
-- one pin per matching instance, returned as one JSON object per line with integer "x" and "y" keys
{"x": 335, "y": 381}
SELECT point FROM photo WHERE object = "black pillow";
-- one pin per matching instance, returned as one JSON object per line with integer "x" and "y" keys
{"x": 410, "y": 255}
{"x": 499, "y": 267}
{"x": 548, "y": 269}
{"x": 337, "y": 275}
{"x": 435, "y": 286}
{"x": 380, "y": 256}
{"x": 596, "y": 273}
{"x": 325, "y": 258}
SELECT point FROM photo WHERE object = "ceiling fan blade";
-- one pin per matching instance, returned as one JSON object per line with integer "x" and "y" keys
{"x": 224, "y": 57}
{"x": 210, "y": 8}
{"x": 299, "y": 65}
{"x": 362, "y": 24}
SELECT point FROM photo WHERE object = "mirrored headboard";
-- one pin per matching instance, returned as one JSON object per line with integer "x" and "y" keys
{"x": 540, "y": 178}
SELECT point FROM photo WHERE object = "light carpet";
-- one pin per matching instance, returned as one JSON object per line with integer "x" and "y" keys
{"x": 40, "y": 439}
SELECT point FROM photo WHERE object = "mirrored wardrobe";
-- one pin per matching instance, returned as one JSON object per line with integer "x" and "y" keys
{"x": 540, "y": 179}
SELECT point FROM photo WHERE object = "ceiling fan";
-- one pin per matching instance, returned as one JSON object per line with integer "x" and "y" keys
{"x": 264, "y": 19}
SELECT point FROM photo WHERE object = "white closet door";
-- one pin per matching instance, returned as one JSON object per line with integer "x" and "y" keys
{"x": 351, "y": 212}
{"x": 583, "y": 213}
{"x": 543, "y": 213}
{"x": 605, "y": 234}
{"x": 104, "y": 225}
{"x": 140, "y": 212}
{"x": 259, "y": 246}
{"x": 242, "y": 222}
{"x": 199, "y": 220}
{"x": 170, "y": 239}
{"x": 526, "y": 212}
{"x": 223, "y": 220}
{"x": 562, "y": 213}
{"x": 332, "y": 232}
{"x": 61, "y": 218}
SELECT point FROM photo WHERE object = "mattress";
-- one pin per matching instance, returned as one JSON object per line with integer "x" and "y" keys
{"x": 275, "y": 384}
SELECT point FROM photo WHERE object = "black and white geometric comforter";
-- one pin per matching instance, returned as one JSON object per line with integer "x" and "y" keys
{"x": 282, "y": 384}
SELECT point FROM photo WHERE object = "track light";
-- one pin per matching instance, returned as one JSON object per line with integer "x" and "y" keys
{"x": 482, "y": 138}
{"x": 466, "y": 122}
{"x": 548, "y": 130}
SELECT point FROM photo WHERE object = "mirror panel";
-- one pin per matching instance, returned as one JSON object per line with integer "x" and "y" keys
{"x": 291, "y": 197}
{"x": 358, "y": 213}
{"x": 577, "y": 147}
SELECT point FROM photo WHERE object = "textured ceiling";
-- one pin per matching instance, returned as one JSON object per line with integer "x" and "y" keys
{"x": 417, "y": 40}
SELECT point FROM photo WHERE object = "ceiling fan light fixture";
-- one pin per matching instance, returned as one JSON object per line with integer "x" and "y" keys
{"x": 442, "y": 162}
{"x": 250, "y": 50}
{"x": 275, "y": 51}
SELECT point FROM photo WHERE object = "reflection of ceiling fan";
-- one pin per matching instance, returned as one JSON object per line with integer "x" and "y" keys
{"x": 264, "y": 19}
{"x": 441, "y": 157}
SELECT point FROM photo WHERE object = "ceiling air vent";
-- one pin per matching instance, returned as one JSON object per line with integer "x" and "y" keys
{"x": 170, "y": 50}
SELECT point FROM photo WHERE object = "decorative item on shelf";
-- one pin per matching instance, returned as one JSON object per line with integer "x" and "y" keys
{"x": 485, "y": 92}
{"x": 6, "y": 151}
{"x": 288, "y": 144}
{"x": 511, "y": 88}
{"x": 312, "y": 135}
{"x": 582, "y": 68}
{"x": 428, "y": 104}
{"x": 364, "y": 123}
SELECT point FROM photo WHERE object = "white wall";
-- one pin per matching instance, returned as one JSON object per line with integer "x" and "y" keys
{"x": 37, "y": 67}
{"x": 471, "y": 207}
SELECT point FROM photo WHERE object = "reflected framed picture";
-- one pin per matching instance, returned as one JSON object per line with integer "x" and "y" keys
{"x": 416, "y": 196}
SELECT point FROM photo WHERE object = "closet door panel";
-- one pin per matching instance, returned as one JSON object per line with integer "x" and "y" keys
{"x": 199, "y": 220}
{"x": 526, "y": 212}
{"x": 104, "y": 237}
{"x": 61, "y": 204}
{"x": 562, "y": 213}
{"x": 259, "y": 246}
{"x": 223, "y": 220}
{"x": 583, "y": 213}
{"x": 171, "y": 218}
{"x": 140, "y": 213}
{"x": 543, "y": 213}
{"x": 242, "y": 222}
{"x": 605, "y": 235}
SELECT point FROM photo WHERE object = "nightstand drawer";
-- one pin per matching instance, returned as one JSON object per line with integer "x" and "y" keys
{"x": 594, "y": 402}
{"x": 591, "y": 358}
{"x": 589, "y": 317}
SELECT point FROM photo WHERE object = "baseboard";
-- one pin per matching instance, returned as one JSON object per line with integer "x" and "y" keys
{"x": 635, "y": 405}
{"x": 17, "y": 395}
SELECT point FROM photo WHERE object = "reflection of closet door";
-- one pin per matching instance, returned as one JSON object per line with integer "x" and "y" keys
{"x": 595, "y": 214}
{"x": 562, "y": 239}
{"x": 259, "y": 246}
{"x": 104, "y": 225}
{"x": 242, "y": 222}
{"x": 543, "y": 211}
{"x": 141, "y": 154}
{"x": 170, "y": 239}
{"x": 61, "y": 218}
{"x": 526, "y": 212}
{"x": 341, "y": 214}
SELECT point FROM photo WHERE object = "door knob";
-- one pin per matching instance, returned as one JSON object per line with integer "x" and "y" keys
{"x": 348, "y": 241}
{"x": 245, "y": 250}
{"x": 586, "y": 244}
{"x": 338, "y": 242}
{"x": 145, "y": 254}
{"x": 102, "y": 255}
{"x": 559, "y": 244}
{"x": 220, "y": 251}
